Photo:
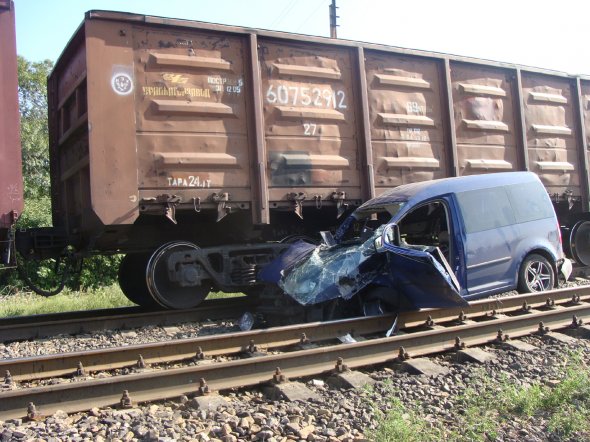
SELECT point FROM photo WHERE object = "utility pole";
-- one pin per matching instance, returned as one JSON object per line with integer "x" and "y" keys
{"x": 333, "y": 18}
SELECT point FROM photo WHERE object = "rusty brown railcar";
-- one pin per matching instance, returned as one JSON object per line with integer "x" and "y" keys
{"x": 11, "y": 183}
{"x": 194, "y": 148}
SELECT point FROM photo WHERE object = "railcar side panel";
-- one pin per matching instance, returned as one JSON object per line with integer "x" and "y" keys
{"x": 192, "y": 128}
{"x": 310, "y": 123}
{"x": 484, "y": 119}
{"x": 583, "y": 107}
{"x": 69, "y": 144}
{"x": 111, "y": 122}
{"x": 553, "y": 152}
{"x": 406, "y": 118}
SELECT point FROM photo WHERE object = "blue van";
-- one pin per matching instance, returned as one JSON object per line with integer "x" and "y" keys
{"x": 433, "y": 244}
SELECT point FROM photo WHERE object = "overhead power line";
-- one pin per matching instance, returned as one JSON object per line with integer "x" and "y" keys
{"x": 321, "y": 3}
{"x": 284, "y": 13}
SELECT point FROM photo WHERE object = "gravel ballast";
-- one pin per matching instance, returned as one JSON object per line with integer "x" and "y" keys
{"x": 338, "y": 415}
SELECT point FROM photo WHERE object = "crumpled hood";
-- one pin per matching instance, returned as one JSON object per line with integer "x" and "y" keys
{"x": 313, "y": 274}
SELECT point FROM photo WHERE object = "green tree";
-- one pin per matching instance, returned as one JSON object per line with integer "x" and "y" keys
{"x": 32, "y": 100}
{"x": 32, "y": 95}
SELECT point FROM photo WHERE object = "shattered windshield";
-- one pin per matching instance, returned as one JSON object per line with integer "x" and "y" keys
{"x": 335, "y": 272}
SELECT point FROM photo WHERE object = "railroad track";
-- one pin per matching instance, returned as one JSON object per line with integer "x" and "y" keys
{"x": 38, "y": 326}
{"x": 425, "y": 332}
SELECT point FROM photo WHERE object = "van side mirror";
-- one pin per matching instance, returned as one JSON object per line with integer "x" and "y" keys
{"x": 390, "y": 236}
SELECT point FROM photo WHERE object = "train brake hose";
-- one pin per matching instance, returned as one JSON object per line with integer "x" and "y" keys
{"x": 41, "y": 291}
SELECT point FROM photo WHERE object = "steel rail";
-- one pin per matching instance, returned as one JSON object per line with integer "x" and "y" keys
{"x": 41, "y": 367}
{"x": 163, "y": 384}
{"x": 491, "y": 306}
{"x": 48, "y": 366}
{"x": 37, "y": 326}
{"x": 71, "y": 315}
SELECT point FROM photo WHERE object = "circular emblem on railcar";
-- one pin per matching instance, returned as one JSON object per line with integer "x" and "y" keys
{"x": 122, "y": 84}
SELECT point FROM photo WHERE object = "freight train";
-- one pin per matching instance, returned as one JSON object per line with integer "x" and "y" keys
{"x": 198, "y": 150}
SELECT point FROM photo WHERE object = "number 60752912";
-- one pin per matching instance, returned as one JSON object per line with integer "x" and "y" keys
{"x": 305, "y": 96}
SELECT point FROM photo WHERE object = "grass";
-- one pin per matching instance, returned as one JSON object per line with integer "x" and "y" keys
{"x": 28, "y": 303}
{"x": 481, "y": 412}
{"x": 400, "y": 422}
{"x": 404, "y": 424}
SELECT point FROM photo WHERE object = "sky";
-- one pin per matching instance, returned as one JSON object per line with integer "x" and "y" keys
{"x": 549, "y": 34}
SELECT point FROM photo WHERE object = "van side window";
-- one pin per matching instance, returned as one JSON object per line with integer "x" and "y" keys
{"x": 530, "y": 202}
{"x": 485, "y": 209}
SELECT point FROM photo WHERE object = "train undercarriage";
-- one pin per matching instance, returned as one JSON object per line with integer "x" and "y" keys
{"x": 172, "y": 266}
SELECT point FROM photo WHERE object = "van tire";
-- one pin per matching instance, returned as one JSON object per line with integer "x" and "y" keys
{"x": 536, "y": 274}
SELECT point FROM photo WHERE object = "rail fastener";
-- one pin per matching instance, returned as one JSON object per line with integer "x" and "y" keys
{"x": 80, "y": 372}
{"x": 501, "y": 336}
{"x": 126, "y": 402}
{"x": 32, "y": 413}
{"x": 402, "y": 354}
{"x": 8, "y": 381}
{"x": 203, "y": 389}
{"x": 278, "y": 377}
{"x": 341, "y": 367}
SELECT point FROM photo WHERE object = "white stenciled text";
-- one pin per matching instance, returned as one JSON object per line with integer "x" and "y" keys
{"x": 309, "y": 129}
{"x": 413, "y": 107}
{"x": 189, "y": 181}
{"x": 224, "y": 84}
{"x": 306, "y": 96}
{"x": 415, "y": 134}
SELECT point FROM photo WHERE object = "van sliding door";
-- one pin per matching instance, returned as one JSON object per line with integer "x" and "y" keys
{"x": 490, "y": 232}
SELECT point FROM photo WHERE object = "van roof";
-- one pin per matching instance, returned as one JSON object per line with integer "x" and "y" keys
{"x": 424, "y": 190}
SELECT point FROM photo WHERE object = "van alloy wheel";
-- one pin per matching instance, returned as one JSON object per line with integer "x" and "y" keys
{"x": 536, "y": 275}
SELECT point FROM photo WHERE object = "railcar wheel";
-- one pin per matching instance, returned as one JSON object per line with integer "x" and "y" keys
{"x": 535, "y": 274}
{"x": 131, "y": 278}
{"x": 175, "y": 279}
{"x": 579, "y": 242}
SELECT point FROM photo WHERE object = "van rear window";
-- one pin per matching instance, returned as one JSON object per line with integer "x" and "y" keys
{"x": 530, "y": 202}
{"x": 495, "y": 207}
{"x": 485, "y": 209}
